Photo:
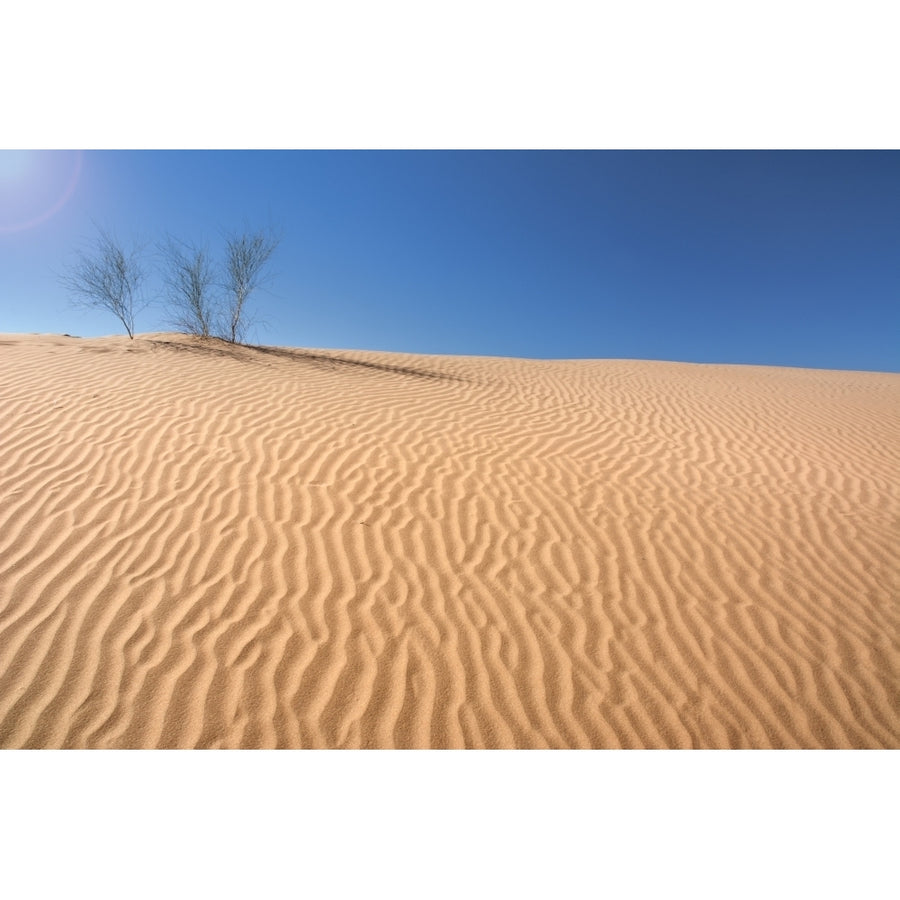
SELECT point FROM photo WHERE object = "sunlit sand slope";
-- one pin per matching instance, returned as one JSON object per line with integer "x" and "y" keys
{"x": 216, "y": 546}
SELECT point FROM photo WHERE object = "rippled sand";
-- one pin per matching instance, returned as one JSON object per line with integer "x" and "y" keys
{"x": 213, "y": 546}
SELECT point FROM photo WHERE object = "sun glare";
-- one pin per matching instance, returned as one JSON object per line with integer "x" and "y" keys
{"x": 14, "y": 163}
{"x": 35, "y": 185}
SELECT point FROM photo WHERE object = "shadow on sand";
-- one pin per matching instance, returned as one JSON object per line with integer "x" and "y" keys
{"x": 256, "y": 353}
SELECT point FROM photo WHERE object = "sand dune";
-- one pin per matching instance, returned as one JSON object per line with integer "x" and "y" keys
{"x": 213, "y": 546}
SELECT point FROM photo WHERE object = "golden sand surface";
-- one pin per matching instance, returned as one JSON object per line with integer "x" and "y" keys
{"x": 207, "y": 545}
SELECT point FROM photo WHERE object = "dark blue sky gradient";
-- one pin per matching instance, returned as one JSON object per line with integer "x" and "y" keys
{"x": 775, "y": 258}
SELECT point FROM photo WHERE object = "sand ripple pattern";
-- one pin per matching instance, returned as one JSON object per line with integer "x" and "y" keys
{"x": 214, "y": 546}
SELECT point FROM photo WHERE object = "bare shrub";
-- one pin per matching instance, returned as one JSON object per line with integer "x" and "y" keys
{"x": 246, "y": 256}
{"x": 189, "y": 278}
{"x": 107, "y": 277}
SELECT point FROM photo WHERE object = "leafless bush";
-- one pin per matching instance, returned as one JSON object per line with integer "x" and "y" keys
{"x": 107, "y": 277}
{"x": 246, "y": 256}
{"x": 189, "y": 278}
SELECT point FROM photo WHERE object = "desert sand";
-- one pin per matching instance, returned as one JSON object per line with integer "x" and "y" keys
{"x": 206, "y": 545}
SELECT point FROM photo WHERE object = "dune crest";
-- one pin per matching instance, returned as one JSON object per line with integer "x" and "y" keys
{"x": 204, "y": 545}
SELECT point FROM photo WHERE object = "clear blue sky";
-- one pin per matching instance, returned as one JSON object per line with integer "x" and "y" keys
{"x": 776, "y": 258}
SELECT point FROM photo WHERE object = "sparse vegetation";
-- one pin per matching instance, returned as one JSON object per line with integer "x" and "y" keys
{"x": 189, "y": 278}
{"x": 200, "y": 298}
{"x": 108, "y": 278}
{"x": 246, "y": 256}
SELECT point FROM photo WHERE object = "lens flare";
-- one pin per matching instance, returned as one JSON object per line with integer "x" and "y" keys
{"x": 35, "y": 186}
{"x": 13, "y": 163}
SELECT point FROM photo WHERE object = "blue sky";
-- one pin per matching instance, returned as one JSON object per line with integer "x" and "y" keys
{"x": 764, "y": 257}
